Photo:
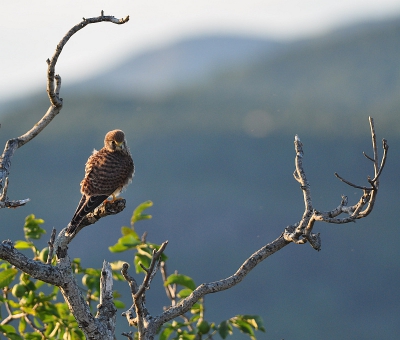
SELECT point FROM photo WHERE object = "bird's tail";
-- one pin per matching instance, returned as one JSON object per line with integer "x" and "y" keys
{"x": 85, "y": 206}
{"x": 71, "y": 228}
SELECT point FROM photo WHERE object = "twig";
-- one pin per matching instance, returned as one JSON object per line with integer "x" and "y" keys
{"x": 130, "y": 279}
{"x": 351, "y": 184}
{"x": 129, "y": 314}
{"x": 169, "y": 290}
{"x": 10, "y": 316}
{"x": 151, "y": 271}
{"x": 30, "y": 323}
{"x": 51, "y": 246}
{"x": 5, "y": 203}
{"x": 128, "y": 335}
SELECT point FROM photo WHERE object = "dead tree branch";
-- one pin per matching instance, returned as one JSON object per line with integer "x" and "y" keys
{"x": 53, "y": 90}
{"x": 303, "y": 231}
{"x": 143, "y": 319}
{"x": 62, "y": 276}
{"x": 106, "y": 311}
{"x": 299, "y": 233}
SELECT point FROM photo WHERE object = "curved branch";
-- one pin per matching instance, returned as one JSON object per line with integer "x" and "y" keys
{"x": 213, "y": 287}
{"x": 53, "y": 90}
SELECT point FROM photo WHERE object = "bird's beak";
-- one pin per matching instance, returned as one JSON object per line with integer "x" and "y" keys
{"x": 120, "y": 145}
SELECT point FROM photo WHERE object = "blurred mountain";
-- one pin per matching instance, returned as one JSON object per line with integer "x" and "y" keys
{"x": 163, "y": 70}
{"x": 213, "y": 149}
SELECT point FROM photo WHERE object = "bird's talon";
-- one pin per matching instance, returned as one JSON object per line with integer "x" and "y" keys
{"x": 113, "y": 199}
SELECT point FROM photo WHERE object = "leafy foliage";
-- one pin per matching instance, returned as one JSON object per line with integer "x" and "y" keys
{"x": 34, "y": 311}
{"x": 30, "y": 303}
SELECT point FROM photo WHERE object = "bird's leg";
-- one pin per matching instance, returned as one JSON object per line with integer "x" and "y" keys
{"x": 114, "y": 198}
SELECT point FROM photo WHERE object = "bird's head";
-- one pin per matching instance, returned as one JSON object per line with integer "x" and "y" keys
{"x": 115, "y": 141}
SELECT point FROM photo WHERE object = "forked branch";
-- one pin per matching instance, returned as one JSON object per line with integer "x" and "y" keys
{"x": 362, "y": 208}
{"x": 138, "y": 314}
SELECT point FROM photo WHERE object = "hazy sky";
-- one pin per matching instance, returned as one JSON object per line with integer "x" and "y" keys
{"x": 30, "y": 30}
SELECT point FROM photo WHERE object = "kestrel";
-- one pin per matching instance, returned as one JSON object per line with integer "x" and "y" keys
{"x": 107, "y": 172}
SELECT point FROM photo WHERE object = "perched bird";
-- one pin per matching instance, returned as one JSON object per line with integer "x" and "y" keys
{"x": 107, "y": 172}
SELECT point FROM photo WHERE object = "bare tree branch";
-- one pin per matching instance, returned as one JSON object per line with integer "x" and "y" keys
{"x": 10, "y": 316}
{"x": 170, "y": 290}
{"x": 299, "y": 233}
{"x": 106, "y": 311}
{"x": 51, "y": 246}
{"x": 105, "y": 209}
{"x": 143, "y": 318}
{"x": 129, "y": 335}
{"x": 206, "y": 288}
{"x": 53, "y": 90}
{"x": 361, "y": 209}
{"x": 151, "y": 271}
{"x": 36, "y": 269}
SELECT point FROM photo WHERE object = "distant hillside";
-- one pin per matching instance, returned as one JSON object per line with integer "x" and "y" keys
{"x": 324, "y": 85}
{"x": 163, "y": 70}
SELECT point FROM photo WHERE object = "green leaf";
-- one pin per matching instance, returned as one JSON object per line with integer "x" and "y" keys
{"x": 91, "y": 281}
{"x": 30, "y": 286}
{"x": 32, "y": 336}
{"x": 196, "y": 308}
{"x": 256, "y": 321}
{"x": 117, "y": 248}
{"x": 184, "y": 293}
{"x": 10, "y": 332}
{"x": 13, "y": 304}
{"x": 4, "y": 265}
{"x": 203, "y": 327}
{"x": 182, "y": 280}
{"x": 243, "y": 326}
{"x": 22, "y": 325}
{"x": 126, "y": 242}
{"x": 224, "y": 329}
{"x": 23, "y": 245}
{"x": 15, "y": 336}
{"x": 165, "y": 334}
{"x": 117, "y": 265}
{"x": 138, "y": 212}
{"x": 32, "y": 227}
{"x": 49, "y": 328}
{"x": 7, "y": 276}
{"x": 119, "y": 304}
{"x": 129, "y": 231}
{"x": 129, "y": 241}
{"x": 141, "y": 259}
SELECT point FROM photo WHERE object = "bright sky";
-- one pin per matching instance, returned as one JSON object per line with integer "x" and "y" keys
{"x": 30, "y": 30}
